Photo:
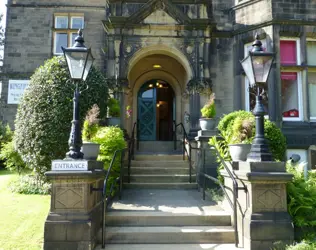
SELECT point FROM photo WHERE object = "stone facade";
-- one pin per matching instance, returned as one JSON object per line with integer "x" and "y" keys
{"x": 200, "y": 39}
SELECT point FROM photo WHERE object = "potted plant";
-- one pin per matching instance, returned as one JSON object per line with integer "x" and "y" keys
{"x": 207, "y": 122}
{"x": 240, "y": 138}
{"x": 114, "y": 111}
{"x": 90, "y": 149}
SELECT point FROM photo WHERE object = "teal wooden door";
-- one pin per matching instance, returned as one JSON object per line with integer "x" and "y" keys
{"x": 147, "y": 114}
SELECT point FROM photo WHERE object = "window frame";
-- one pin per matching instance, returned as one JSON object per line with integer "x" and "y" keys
{"x": 69, "y": 31}
{"x": 289, "y": 68}
{"x": 298, "y": 50}
{"x": 310, "y": 70}
{"x": 300, "y": 96}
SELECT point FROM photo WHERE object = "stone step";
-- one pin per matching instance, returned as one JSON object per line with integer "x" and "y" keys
{"x": 158, "y": 157}
{"x": 158, "y": 170}
{"x": 160, "y": 185}
{"x": 169, "y": 247}
{"x": 186, "y": 234}
{"x": 160, "y": 178}
{"x": 162, "y": 163}
{"x": 152, "y": 218}
{"x": 159, "y": 146}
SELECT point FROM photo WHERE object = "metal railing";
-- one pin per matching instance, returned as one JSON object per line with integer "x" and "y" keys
{"x": 107, "y": 194}
{"x": 232, "y": 203}
{"x": 131, "y": 151}
{"x": 185, "y": 141}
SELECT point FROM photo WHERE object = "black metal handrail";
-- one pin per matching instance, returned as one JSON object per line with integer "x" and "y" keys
{"x": 185, "y": 140}
{"x": 233, "y": 204}
{"x": 131, "y": 151}
{"x": 107, "y": 198}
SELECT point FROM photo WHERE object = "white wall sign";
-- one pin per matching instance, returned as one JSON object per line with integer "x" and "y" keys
{"x": 16, "y": 90}
{"x": 64, "y": 165}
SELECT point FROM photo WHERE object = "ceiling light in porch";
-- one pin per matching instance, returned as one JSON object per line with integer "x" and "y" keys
{"x": 151, "y": 85}
{"x": 157, "y": 66}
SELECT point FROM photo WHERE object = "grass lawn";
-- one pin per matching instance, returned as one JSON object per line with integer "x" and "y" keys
{"x": 22, "y": 217}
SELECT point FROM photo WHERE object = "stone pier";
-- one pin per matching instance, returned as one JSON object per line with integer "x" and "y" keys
{"x": 75, "y": 212}
{"x": 262, "y": 207}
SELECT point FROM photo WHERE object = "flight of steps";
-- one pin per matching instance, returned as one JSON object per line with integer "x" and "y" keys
{"x": 167, "y": 219}
{"x": 160, "y": 171}
{"x": 161, "y": 210}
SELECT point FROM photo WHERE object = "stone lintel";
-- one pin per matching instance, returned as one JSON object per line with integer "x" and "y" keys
{"x": 264, "y": 166}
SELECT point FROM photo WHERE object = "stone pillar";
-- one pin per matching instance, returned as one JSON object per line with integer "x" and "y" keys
{"x": 75, "y": 213}
{"x": 206, "y": 158}
{"x": 262, "y": 209}
{"x": 194, "y": 114}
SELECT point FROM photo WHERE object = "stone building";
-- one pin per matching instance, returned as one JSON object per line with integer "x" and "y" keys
{"x": 155, "y": 47}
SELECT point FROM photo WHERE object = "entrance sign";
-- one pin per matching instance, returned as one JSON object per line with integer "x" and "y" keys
{"x": 16, "y": 90}
{"x": 71, "y": 165}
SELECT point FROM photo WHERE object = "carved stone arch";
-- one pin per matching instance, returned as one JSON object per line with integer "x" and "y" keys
{"x": 163, "y": 50}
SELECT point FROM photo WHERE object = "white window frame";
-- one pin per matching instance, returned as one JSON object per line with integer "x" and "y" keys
{"x": 76, "y": 16}
{"x": 55, "y": 21}
{"x": 311, "y": 118}
{"x": 298, "y": 48}
{"x": 300, "y": 96}
{"x": 69, "y": 31}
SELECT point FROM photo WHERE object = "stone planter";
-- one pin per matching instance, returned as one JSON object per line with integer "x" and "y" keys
{"x": 90, "y": 150}
{"x": 207, "y": 123}
{"x": 239, "y": 152}
{"x": 114, "y": 121}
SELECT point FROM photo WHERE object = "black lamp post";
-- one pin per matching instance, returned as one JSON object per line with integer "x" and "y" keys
{"x": 257, "y": 66}
{"x": 79, "y": 61}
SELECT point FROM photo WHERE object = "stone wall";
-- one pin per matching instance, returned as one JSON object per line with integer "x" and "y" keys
{"x": 294, "y": 10}
{"x": 29, "y": 40}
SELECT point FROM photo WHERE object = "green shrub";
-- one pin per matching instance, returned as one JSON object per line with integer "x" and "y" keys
{"x": 305, "y": 245}
{"x": 44, "y": 115}
{"x": 11, "y": 157}
{"x": 6, "y": 134}
{"x": 273, "y": 134}
{"x": 29, "y": 184}
{"x": 110, "y": 140}
{"x": 302, "y": 198}
{"x": 209, "y": 109}
{"x": 114, "y": 108}
{"x": 91, "y": 123}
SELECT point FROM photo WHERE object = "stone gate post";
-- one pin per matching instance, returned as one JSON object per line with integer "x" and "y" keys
{"x": 75, "y": 212}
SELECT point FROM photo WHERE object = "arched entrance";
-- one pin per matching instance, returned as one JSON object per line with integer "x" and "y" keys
{"x": 168, "y": 66}
{"x": 156, "y": 111}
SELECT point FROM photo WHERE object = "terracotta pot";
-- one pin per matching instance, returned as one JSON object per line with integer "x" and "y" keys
{"x": 207, "y": 123}
{"x": 90, "y": 150}
{"x": 239, "y": 152}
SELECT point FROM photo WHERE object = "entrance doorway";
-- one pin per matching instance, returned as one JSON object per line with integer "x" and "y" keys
{"x": 156, "y": 111}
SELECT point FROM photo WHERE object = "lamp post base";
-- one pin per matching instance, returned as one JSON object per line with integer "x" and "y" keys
{"x": 74, "y": 155}
{"x": 259, "y": 148}
{"x": 259, "y": 152}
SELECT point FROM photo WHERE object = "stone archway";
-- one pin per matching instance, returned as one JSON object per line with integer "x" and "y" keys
{"x": 175, "y": 69}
